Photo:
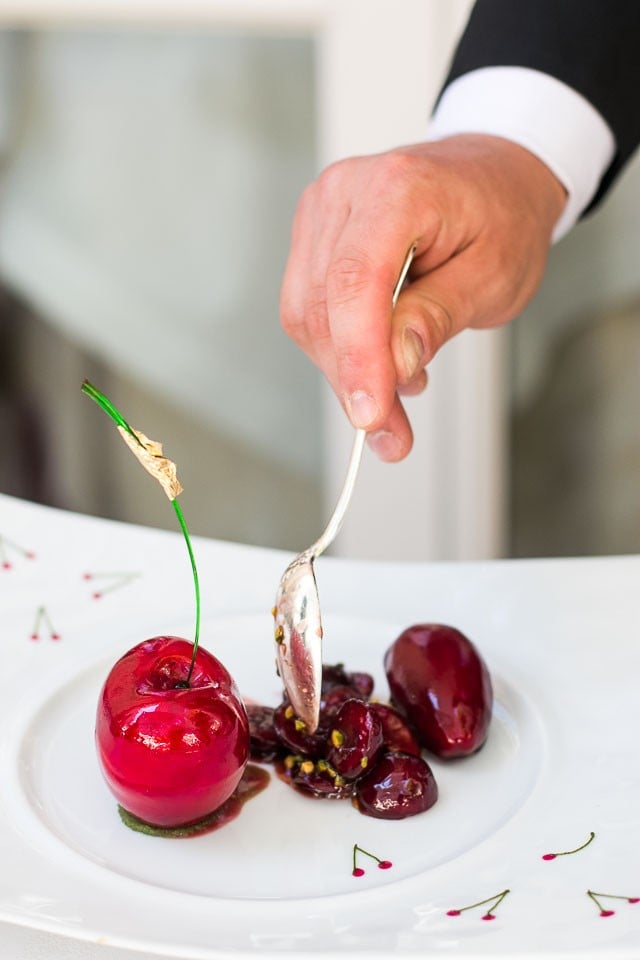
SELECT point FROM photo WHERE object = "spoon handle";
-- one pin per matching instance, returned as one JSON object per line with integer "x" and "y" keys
{"x": 335, "y": 522}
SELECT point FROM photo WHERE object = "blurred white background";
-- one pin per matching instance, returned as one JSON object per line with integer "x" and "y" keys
{"x": 151, "y": 160}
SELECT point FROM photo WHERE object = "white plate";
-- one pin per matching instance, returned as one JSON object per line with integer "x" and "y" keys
{"x": 561, "y": 639}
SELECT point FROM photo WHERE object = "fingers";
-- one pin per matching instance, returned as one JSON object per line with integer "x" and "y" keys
{"x": 351, "y": 234}
{"x": 393, "y": 440}
{"x": 415, "y": 386}
{"x": 481, "y": 211}
{"x": 303, "y": 298}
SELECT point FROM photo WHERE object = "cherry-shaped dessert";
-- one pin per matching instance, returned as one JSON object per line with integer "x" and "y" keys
{"x": 171, "y": 753}
{"x": 171, "y": 731}
{"x": 399, "y": 785}
{"x": 440, "y": 681}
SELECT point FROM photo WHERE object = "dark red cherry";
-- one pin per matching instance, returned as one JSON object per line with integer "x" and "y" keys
{"x": 440, "y": 681}
{"x": 335, "y": 675}
{"x": 264, "y": 743}
{"x": 294, "y": 735}
{"x": 333, "y": 699}
{"x": 355, "y": 739}
{"x": 363, "y": 682}
{"x": 397, "y": 735}
{"x": 316, "y": 778}
{"x": 398, "y": 786}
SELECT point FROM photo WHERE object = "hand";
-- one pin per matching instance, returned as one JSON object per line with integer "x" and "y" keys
{"x": 481, "y": 210}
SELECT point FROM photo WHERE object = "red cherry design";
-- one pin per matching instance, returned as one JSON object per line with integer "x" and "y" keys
{"x": 495, "y": 902}
{"x": 42, "y": 617}
{"x": 111, "y": 581}
{"x": 171, "y": 753}
{"x": 9, "y": 545}
{"x": 608, "y": 896}
{"x": 568, "y": 853}
{"x": 358, "y": 871}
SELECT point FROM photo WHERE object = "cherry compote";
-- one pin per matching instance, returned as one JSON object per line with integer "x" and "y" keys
{"x": 294, "y": 735}
{"x": 370, "y": 751}
{"x": 264, "y": 743}
{"x": 354, "y": 737}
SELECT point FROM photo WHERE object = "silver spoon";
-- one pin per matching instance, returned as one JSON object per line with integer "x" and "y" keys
{"x": 298, "y": 624}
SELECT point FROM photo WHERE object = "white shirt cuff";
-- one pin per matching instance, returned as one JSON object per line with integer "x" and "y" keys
{"x": 542, "y": 114}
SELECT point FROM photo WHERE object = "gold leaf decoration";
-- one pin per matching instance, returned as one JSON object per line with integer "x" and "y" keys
{"x": 149, "y": 453}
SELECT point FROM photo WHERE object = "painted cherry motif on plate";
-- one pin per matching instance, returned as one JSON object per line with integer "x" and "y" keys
{"x": 9, "y": 547}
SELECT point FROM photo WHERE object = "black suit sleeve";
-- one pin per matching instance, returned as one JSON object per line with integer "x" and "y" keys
{"x": 592, "y": 46}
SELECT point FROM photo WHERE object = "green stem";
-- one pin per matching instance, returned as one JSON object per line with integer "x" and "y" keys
{"x": 196, "y": 584}
{"x": 366, "y": 853}
{"x": 120, "y": 421}
{"x": 495, "y": 900}
{"x": 108, "y": 407}
{"x": 566, "y": 853}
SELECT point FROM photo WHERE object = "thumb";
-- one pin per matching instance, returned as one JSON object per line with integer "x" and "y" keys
{"x": 461, "y": 293}
{"x": 429, "y": 312}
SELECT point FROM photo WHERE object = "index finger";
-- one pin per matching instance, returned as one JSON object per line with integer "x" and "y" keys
{"x": 360, "y": 299}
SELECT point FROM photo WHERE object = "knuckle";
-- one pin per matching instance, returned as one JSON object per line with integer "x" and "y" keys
{"x": 397, "y": 165}
{"x": 348, "y": 276}
{"x": 316, "y": 316}
{"x": 305, "y": 321}
{"x": 440, "y": 320}
{"x": 332, "y": 177}
{"x": 397, "y": 176}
